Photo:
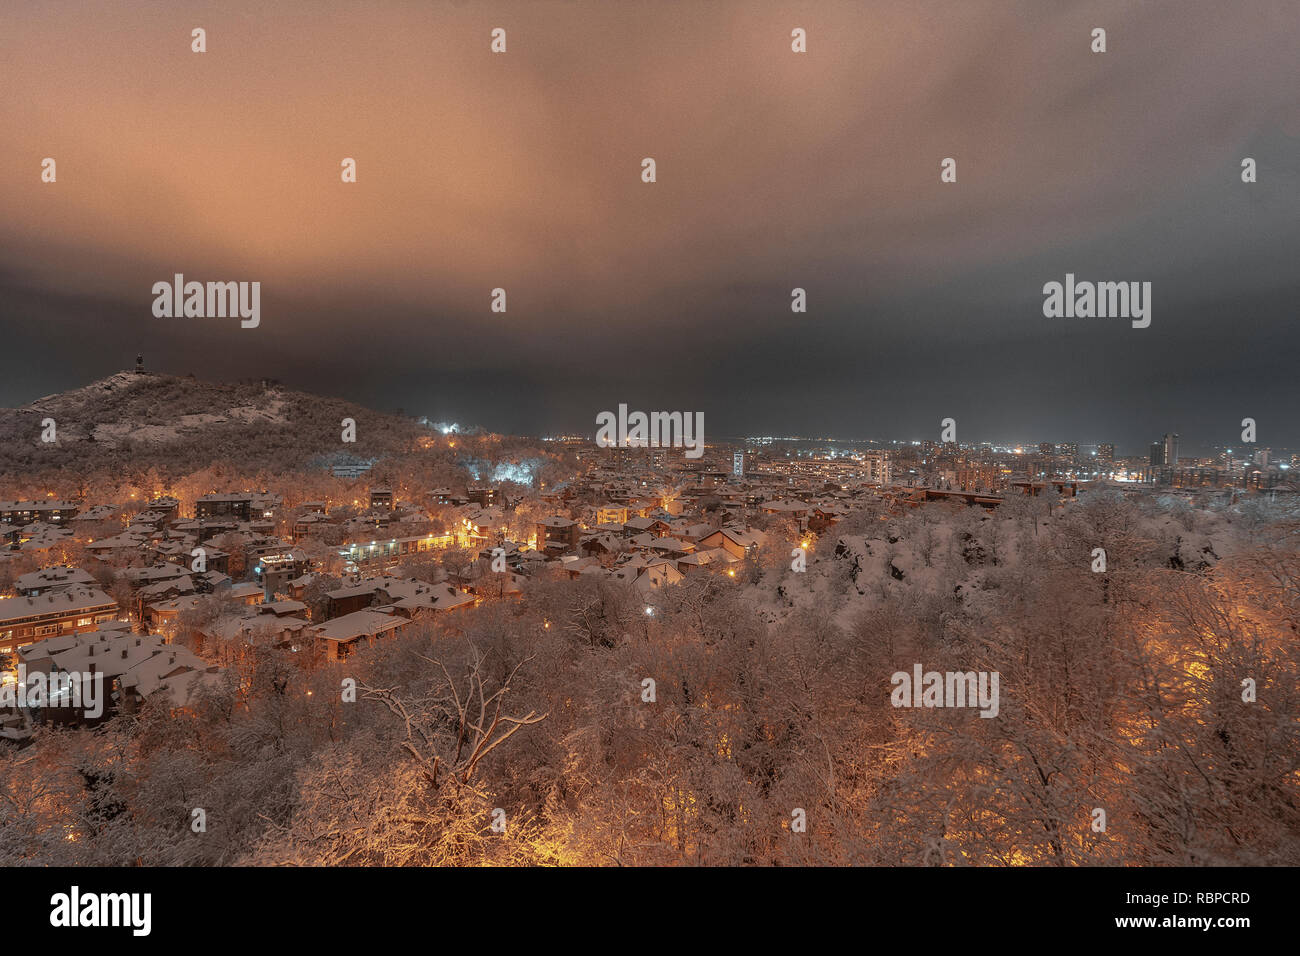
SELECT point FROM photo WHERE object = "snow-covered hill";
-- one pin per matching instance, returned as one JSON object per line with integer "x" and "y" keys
{"x": 179, "y": 423}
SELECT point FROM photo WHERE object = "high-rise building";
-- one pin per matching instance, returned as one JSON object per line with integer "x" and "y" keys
{"x": 1106, "y": 452}
{"x": 877, "y": 466}
{"x": 978, "y": 476}
{"x": 1171, "y": 450}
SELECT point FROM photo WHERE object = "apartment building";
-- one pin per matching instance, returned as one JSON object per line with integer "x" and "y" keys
{"x": 26, "y": 620}
{"x": 237, "y": 507}
{"x": 26, "y": 512}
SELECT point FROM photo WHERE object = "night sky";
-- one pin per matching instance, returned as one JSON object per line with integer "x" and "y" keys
{"x": 775, "y": 170}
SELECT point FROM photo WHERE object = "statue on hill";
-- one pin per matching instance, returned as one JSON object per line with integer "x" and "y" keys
{"x": 139, "y": 365}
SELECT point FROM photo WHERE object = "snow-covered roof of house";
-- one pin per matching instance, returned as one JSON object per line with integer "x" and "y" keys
{"x": 555, "y": 521}
{"x": 61, "y": 601}
{"x": 358, "y": 624}
{"x": 52, "y": 577}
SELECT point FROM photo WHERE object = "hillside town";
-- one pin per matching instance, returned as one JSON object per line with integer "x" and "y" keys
{"x": 159, "y": 595}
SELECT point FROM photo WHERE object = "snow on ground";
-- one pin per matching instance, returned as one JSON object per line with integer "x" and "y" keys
{"x": 112, "y": 433}
{"x": 273, "y": 411}
{"x": 971, "y": 556}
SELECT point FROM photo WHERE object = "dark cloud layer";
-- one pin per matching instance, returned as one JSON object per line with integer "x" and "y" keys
{"x": 775, "y": 171}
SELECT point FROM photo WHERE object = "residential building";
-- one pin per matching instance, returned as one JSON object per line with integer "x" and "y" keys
{"x": 26, "y": 620}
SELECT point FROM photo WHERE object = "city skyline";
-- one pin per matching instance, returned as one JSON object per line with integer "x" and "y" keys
{"x": 1195, "y": 446}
